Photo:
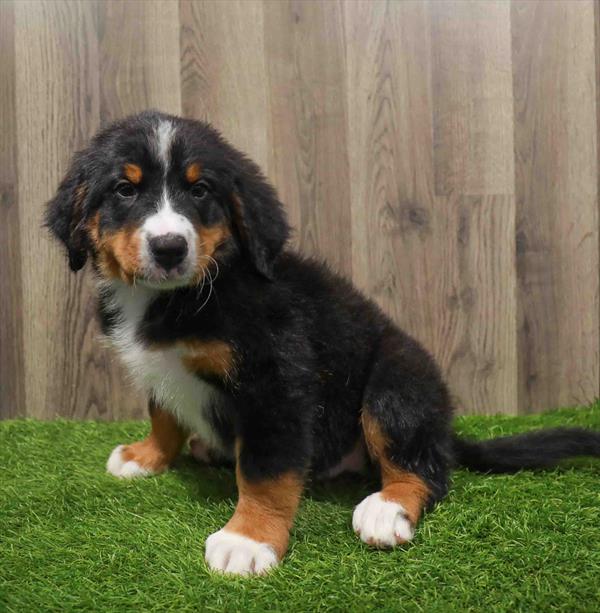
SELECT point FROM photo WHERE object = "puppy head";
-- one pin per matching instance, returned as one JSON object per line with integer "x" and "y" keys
{"x": 159, "y": 200}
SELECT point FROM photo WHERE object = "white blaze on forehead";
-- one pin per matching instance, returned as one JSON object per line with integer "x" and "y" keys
{"x": 164, "y": 137}
{"x": 166, "y": 220}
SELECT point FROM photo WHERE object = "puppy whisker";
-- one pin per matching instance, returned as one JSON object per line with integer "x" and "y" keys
{"x": 206, "y": 273}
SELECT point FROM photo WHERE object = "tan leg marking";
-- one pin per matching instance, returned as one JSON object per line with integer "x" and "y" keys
{"x": 265, "y": 511}
{"x": 397, "y": 485}
{"x": 162, "y": 446}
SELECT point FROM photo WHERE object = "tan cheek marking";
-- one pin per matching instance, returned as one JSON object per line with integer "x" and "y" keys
{"x": 162, "y": 445}
{"x": 193, "y": 172}
{"x": 107, "y": 264}
{"x": 94, "y": 229}
{"x": 207, "y": 242}
{"x": 118, "y": 252}
{"x": 126, "y": 247}
{"x": 398, "y": 485}
{"x": 265, "y": 511}
{"x": 209, "y": 357}
{"x": 210, "y": 238}
{"x": 133, "y": 173}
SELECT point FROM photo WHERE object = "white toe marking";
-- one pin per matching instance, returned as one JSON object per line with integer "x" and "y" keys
{"x": 124, "y": 470}
{"x": 381, "y": 523}
{"x": 233, "y": 553}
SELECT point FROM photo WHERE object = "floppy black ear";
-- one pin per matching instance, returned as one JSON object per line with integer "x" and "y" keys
{"x": 259, "y": 219}
{"x": 65, "y": 214}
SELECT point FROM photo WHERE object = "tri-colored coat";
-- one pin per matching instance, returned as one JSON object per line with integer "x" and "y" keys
{"x": 267, "y": 358}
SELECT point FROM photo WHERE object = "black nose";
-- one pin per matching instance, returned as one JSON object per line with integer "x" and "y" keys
{"x": 168, "y": 250}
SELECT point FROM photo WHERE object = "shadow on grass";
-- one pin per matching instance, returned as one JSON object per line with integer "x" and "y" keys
{"x": 209, "y": 483}
{"x": 217, "y": 483}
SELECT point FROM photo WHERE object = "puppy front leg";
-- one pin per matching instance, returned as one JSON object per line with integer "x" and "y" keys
{"x": 274, "y": 410}
{"x": 152, "y": 455}
{"x": 256, "y": 537}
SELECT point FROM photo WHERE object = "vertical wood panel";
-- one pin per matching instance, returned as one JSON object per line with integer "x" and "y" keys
{"x": 12, "y": 381}
{"x": 440, "y": 265}
{"x": 57, "y": 111}
{"x": 223, "y": 71}
{"x": 480, "y": 363}
{"x": 307, "y": 86}
{"x": 472, "y": 90}
{"x": 393, "y": 136}
{"x": 390, "y": 154}
{"x": 557, "y": 209}
{"x": 139, "y": 57}
{"x": 474, "y": 158}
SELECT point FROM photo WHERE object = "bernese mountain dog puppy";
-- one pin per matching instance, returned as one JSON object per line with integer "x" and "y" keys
{"x": 268, "y": 358}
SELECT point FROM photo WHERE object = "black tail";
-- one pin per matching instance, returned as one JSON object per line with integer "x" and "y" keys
{"x": 539, "y": 449}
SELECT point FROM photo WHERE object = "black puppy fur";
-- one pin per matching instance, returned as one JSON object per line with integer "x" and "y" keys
{"x": 312, "y": 354}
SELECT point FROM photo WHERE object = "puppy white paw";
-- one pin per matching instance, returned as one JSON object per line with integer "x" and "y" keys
{"x": 124, "y": 469}
{"x": 228, "y": 552}
{"x": 381, "y": 523}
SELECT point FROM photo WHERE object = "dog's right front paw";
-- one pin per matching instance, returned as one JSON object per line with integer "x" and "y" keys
{"x": 126, "y": 462}
{"x": 234, "y": 554}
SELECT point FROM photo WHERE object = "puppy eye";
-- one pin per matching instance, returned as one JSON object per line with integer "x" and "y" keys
{"x": 125, "y": 190}
{"x": 199, "y": 190}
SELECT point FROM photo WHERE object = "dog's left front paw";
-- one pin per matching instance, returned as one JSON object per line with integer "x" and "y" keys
{"x": 229, "y": 552}
{"x": 135, "y": 460}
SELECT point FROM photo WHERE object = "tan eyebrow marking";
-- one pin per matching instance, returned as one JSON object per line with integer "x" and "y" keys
{"x": 193, "y": 172}
{"x": 133, "y": 173}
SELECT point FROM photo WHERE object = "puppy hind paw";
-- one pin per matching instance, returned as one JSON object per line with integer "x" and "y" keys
{"x": 381, "y": 523}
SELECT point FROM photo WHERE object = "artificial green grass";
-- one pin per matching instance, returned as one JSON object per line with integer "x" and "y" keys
{"x": 74, "y": 538}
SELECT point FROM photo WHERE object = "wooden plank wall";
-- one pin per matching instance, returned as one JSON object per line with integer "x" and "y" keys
{"x": 444, "y": 155}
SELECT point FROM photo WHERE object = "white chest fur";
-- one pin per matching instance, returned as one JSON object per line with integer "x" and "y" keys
{"x": 160, "y": 372}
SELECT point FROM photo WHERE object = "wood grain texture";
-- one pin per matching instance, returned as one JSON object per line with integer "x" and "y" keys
{"x": 474, "y": 184}
{"x": 390, "y": 156}
{"x": 307, "y": 89}
{"x": 472, "y": 92}
{"x": 477, "y": 344}
{"x": 441, "y": 266}
{"x": 139, "y": 57}
{"x": 444, "y": 155}
{"x": 12, "y": 385}
{"x": 223, "y": 71}
{"x": 57, "y": 102}
{"x": 557, "y": 202}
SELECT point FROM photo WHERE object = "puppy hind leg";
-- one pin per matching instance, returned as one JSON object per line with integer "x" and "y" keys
{"x": 388, "y": 518}
{"x": 405, "y": 422}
